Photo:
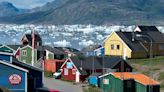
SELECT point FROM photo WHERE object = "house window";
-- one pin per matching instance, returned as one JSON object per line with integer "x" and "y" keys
{"x": 24, "y": 52}
{"x": 112, "y": 47}
{"x": 73, "y": 71}
{"x": 161, "y": 46}
{"x": 106, "y": 81}
{"x": 118, "y": 47}
{"x": 65, "y": 71}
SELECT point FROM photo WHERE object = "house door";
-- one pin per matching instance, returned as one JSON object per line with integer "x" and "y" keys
{"x": 77, "y": 76}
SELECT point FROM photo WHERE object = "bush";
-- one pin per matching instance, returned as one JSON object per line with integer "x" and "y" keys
{"x": 91, "y": 89}
{"x": 48, "y": 74}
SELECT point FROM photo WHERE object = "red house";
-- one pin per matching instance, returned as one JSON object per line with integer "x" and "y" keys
{"x": 72, "y": 70}
{"x": 78, "y": 70}
{"x": 53, "y": 65}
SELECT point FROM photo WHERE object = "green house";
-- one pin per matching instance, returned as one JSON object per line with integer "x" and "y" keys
{"x": 26, "y": 54}
{"x": 127, "y": 82}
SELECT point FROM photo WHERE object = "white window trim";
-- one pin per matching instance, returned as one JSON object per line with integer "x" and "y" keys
{"x": 24, "y": 52}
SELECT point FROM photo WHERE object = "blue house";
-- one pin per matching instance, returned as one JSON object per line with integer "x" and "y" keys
{"x": 99, "y": 51}
{"x": 93, "y": 79}
{"x": 12, "y": 77}
{"x": 10, "y": 66}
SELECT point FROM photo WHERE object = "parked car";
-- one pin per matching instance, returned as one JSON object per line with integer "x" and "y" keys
{"x": 57, "y": 75}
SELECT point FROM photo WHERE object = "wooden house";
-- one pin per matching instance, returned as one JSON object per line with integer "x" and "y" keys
{"x": 53, "y": 65}
{"x": 128, "y": 45}
{"x": 72, "y": 71}
{"x": 18, "y": 76}
{"x": 127, "y": 82}
{"x": 27, "y": 39}
{"x": 91, "y": 65}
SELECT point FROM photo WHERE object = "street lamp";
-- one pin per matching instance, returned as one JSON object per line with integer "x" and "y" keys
{"x": 150, "y": 54}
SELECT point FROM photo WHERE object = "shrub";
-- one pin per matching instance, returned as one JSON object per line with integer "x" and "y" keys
{"x": 48, "y": 74}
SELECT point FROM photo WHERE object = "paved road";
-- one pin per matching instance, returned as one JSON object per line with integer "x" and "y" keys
{"x": 62, "y": 86}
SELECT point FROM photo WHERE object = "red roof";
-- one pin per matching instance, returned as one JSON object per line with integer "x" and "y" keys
{"x": 141, "y": 78}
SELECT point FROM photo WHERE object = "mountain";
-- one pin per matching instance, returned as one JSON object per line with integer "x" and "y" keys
{"x": 98, "y": 12}
{"x": 50, "y": 5}
{"x": 8, "y": 9}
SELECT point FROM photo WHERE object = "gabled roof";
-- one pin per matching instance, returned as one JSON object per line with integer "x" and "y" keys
{"x": 90, "y": 48}
{"x": 14, "y": 66}
{"x": 153, "y": 33}
{"x": 111, "y": 62}
{"x": 49, "y": 48}
{"x": 148, "y": 28}
{"x": 15, "y": 47}
{"x": 77, "y": 64}
{"x": 24, "y": 65}
{"x": 127, "y": 38}
{"x": 140, "y": 78}
{"x": 37, "y": 37}
{"x": 95, "y": 74}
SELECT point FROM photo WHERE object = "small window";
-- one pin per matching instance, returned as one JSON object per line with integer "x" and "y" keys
{"x": 65, "y": 71}
{"x": 106, "y": 81}
{"x": 112, "y": 47}
{"x": 161, "y": 46}
{"x": 24, "y": 52}
{"x": 118, "y": 47}
{"x": 73, "y": 71}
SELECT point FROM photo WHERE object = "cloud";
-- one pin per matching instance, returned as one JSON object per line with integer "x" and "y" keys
{"x": 27, "y": 4}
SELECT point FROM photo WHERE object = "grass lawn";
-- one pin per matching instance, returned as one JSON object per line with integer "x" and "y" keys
{"x": 153, "y": 68}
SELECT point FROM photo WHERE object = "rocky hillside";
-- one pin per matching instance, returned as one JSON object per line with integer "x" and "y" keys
{"x": 98, "y": 12}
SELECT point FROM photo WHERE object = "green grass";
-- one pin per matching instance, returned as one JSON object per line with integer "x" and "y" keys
{"x": 91, "y": 89}
{"x": 146, "y": 66}
{"x": 161, "y": 76}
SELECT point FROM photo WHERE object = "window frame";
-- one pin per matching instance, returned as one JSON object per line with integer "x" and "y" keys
{"x": 66, "y": 73}
{"x": 74, "y": 71}
{"x": 24, "y": 52}
{"x": 112, "y": 46}
{"x": 118, "y": 47}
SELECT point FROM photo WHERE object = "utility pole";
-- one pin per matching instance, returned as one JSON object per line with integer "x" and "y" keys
{"x": 33, "y": 46}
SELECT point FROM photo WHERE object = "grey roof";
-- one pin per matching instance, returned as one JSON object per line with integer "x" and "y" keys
{"x": 51, "y": 49}
{"x": 133, "y": 45}
{"x": 78, "y": 64}
{"x": 90, "y": 48}
{"x": 37, "y": 37}
{"x": 90, "y": 63}
{"x": 153, "y": 33}
{"x": 95, "y": 74}
{"x": 24, "y": 65}
{"x": 15, "y": 47}
{"x": 148, "y": 28}
{"x": 110, "y": 62}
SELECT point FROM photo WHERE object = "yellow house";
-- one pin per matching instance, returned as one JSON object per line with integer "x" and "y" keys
{"x": 127, "y": 45}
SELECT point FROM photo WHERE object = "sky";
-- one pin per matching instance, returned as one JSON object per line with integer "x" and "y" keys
{"x": 27, "y": 4}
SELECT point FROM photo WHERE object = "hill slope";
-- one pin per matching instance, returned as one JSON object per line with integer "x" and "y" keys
{"x": 8, "y": 9}
{"x": 97, "y": 12}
